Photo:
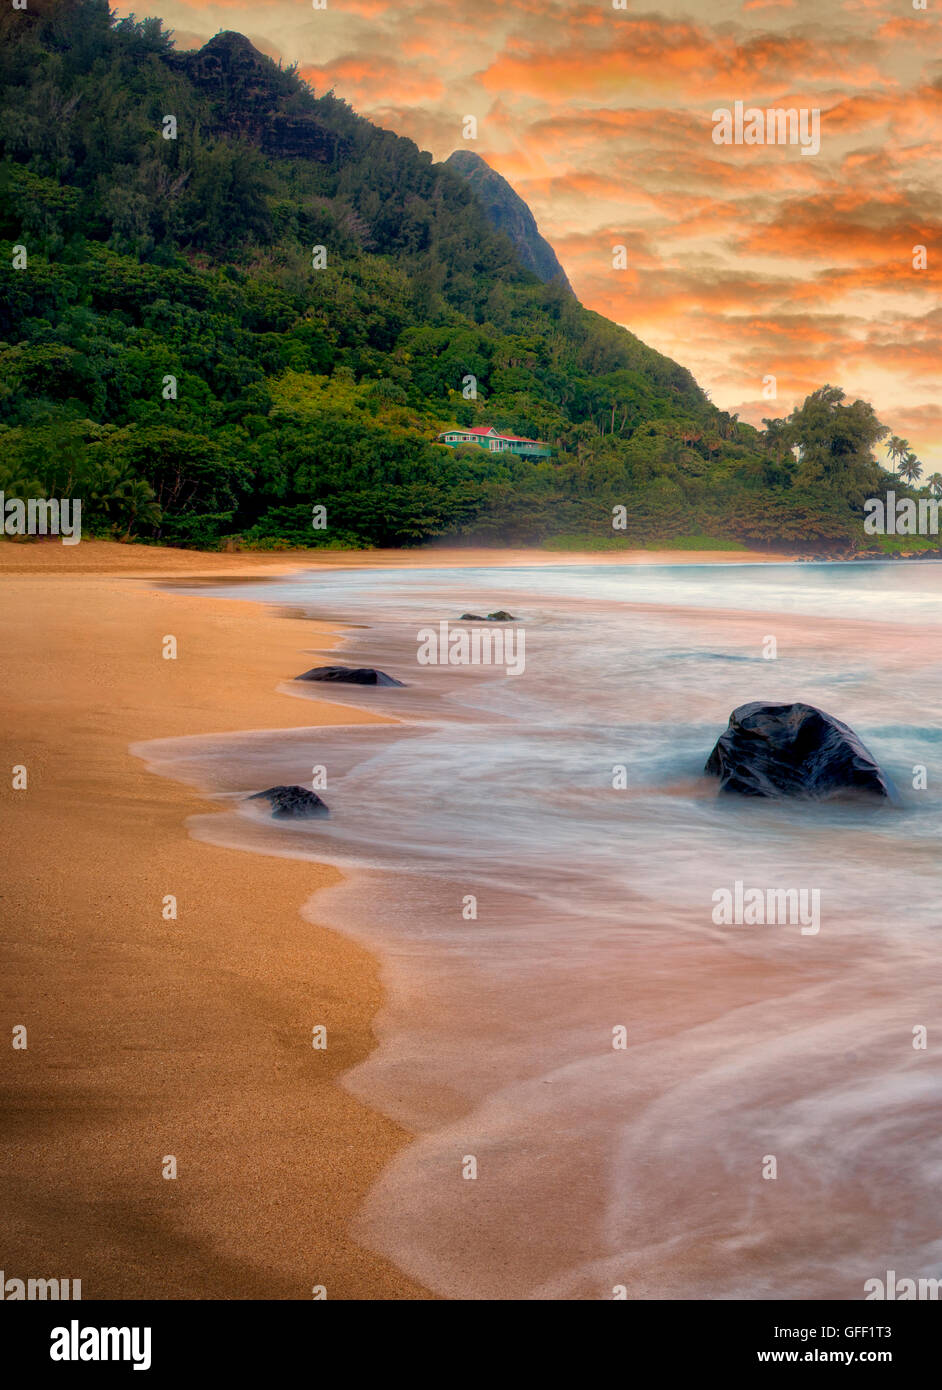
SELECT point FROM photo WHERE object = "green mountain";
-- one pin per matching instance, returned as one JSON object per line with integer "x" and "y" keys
{"x": 226, "y": 301}
{"x": 507, "y": 211}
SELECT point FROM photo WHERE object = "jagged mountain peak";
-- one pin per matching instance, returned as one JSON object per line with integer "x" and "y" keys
{"x": 508, "y": 212}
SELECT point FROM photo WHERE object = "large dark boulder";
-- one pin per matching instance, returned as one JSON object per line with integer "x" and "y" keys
{"x": 348, "y": 675}
{"x": 292, "y": 803}
{"x": 794, "y": 750}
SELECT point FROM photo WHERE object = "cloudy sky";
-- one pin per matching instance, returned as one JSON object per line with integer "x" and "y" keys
{"x": 743, "y": 261}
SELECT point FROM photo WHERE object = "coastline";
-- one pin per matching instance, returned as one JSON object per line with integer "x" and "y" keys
{"x": 190, "y": 1037}
{"x": 492, "y": 1039}
{"x": 146, "y": 561}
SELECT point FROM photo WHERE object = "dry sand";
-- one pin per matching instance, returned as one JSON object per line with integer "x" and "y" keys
{"x": 190, "y": 1038}
{"x": 149, "y": 1037}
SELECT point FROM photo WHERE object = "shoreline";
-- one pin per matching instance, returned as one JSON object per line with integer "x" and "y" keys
{"x": 469, "y": 1040}
{"x": 189, "y": 1037}
{"x": 151, "y": 561}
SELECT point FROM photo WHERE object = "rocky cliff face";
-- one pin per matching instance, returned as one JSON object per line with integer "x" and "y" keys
{"x": 507, "y": 211}
{"x": 249, "y": 94}
{"x": 246, "y": 89}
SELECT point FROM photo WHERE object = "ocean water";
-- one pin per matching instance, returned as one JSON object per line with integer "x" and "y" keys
{"x": 569, "y": 803}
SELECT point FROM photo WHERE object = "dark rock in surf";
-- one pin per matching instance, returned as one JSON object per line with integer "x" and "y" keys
{"x": 501, "y": 616}
{"x": 794, "y": 750}
{"x": 292, "y": 803}
{"x": 348, "y": 675}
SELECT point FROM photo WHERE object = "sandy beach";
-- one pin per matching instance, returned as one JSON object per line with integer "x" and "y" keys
{"x": 190, "y": 1037}
{"x": 149, "y": 1037}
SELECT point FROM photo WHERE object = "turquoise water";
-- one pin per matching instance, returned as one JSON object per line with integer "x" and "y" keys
{"x": 569, "y": 803}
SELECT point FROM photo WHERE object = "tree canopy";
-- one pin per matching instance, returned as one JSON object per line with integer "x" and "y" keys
{"x": 173, "y": 353}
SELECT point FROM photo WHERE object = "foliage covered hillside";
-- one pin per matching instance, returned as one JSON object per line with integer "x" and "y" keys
{"x": 191, "y": 258}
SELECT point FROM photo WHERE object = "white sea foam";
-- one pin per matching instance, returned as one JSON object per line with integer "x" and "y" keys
{"x": 640, "y": 1166}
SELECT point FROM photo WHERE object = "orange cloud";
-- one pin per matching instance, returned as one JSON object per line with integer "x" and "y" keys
{"x": 381, "y": 78}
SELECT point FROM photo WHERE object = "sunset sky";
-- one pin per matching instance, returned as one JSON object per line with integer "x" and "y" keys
{"x": 744, "y": 261}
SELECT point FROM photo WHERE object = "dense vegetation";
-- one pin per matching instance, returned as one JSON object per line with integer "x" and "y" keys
{"x": 170, "y": 353}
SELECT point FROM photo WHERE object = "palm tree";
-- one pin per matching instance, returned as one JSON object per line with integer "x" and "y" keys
{"x": 910, "y": 468}
{"x": 897, "y": 448}
{"x": 776, "y": 439}
{"x": 934, "y": 483}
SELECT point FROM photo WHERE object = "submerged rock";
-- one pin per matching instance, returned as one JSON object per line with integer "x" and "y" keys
{"x": 794, "y": 750}
{"x": 349, "y": 675}
{"x": 292, "y": 803}
{"x": 501, "y": 616}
